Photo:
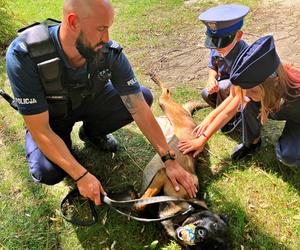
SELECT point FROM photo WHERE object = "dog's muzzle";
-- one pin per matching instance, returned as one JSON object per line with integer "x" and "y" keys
{"x": 191, "y": 234}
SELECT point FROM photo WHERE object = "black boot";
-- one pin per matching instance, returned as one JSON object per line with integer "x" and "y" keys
{"x": 240, "y": 151}
{"x": 106, "y": 142}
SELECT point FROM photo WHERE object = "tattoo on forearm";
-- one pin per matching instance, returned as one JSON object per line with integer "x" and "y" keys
{"x": 131, "y": 101}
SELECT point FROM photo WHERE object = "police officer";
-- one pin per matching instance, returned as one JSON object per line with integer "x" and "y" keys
{"x": 70, "y": 72}
{"x": 224, "y": 39}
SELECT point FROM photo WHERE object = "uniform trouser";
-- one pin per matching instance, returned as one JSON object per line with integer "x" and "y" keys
{"x": 251, "y": 125}
{"x": 215, "y": 99}
{"x": 102, "y": 115}
{"x": 287, "y": 148}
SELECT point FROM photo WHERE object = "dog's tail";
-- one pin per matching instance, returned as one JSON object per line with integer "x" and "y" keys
{"x": 193, "y": 106}
{"x": 154, "y": 77}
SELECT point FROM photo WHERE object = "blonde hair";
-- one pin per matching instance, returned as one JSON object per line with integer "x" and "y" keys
{"x": 275, "y": 90}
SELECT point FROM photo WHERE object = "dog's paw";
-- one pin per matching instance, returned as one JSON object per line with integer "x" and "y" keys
{"x": 139, "y": 208}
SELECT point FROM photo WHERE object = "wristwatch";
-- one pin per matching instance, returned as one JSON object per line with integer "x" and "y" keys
{"x": 168, "y": 156}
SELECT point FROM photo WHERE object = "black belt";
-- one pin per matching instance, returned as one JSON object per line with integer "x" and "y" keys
{"x": 116, "y": 205}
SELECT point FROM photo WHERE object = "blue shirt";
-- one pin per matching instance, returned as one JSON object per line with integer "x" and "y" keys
{"x": 223, "y": 64}
{"x": 28, "y": 89}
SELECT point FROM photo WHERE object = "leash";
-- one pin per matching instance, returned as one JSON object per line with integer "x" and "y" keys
{"x": 9, "y": 99}
{"x": 128, "y": 204}
{"x": 67, "y": 204}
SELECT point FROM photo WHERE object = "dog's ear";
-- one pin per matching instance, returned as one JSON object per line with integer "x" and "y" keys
{"x": 213, "y": 244}
{"x": 209, "y": 246}
{"x": 224, "y": 217}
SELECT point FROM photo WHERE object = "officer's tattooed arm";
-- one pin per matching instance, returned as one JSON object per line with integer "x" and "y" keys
{"x": 131, "y": 101}
{"x": 145, "y": 120}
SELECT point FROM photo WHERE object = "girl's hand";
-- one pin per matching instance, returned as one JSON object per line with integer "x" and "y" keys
{"x": 201, "y": 128}
{"x": 212, "y": 86}
{"x": 197, "y": 145}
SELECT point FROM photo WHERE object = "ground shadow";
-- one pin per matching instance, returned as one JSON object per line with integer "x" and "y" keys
{"x": 116, "y": 172}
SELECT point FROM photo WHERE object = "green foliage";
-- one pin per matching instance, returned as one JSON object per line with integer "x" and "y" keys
{"x": 7, "y": 25}
{"x": 149, "y": 20}
{"x": 31, "y": 11}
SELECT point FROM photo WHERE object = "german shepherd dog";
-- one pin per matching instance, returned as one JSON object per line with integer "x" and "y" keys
{"x": 200, "y": 229}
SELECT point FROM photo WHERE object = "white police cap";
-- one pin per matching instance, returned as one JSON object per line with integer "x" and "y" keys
{"x": 223, "y": 22}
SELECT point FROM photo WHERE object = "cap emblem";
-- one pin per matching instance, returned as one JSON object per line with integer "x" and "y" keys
{"x": 212, "y": 26}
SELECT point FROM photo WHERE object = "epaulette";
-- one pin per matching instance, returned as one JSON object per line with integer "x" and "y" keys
{"x": 115, "y": 45}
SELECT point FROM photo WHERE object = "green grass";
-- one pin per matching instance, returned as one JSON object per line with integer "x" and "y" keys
{"x": 260, "y": 196}
{"x": 6, "y": 23}
{"x": 31, "y": 11}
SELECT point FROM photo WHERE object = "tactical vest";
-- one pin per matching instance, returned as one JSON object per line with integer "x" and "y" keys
{"x": 63, "y": 96}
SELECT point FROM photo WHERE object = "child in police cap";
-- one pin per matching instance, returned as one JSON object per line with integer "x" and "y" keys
{"x": 223, "y": 38}
{"x": 258, "y": 78}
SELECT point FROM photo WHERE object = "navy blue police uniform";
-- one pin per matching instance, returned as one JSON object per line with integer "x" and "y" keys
{"x": 222, "y": 23}
{"x": 222, "y": 65}
{"x": 258, "y": 62}
{"x": 98, "y": 104}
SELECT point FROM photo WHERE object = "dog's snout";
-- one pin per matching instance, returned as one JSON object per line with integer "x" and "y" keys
{"x": 201, "y": 233}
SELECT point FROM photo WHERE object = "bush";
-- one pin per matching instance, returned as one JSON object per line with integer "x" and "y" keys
{"x": 7, "y": 26}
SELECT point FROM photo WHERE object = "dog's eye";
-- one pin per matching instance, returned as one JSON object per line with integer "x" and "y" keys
{"x": 215, "y": 225}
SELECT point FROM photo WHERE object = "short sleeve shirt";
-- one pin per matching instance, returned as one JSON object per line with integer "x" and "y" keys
{"x": 26, "y": 84}
{"x": 223, "y": 64}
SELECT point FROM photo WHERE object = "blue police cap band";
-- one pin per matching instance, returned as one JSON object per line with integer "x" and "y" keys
{"x": 226, "y": 31}
{"x": 255, "y": 63}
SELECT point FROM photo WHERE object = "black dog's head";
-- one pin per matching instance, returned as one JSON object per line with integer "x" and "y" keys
{"x": 203, "y": 230}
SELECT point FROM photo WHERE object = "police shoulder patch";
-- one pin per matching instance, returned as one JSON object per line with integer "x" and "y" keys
{"x": 115, "y": 45}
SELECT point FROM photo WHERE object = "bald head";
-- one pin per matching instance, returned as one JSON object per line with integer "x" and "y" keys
{"x": 86, "y": 8}
{"x": 85, "y": 27}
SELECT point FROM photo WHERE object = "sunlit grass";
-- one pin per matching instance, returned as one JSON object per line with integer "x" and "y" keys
{"x": 260, "y": 196}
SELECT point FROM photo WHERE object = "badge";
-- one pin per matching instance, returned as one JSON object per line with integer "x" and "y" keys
{"x": 212, "y": 25}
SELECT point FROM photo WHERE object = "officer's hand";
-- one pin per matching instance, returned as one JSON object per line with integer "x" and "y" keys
{"x": 178, "y": 175}
{"x": 89, "y": 186}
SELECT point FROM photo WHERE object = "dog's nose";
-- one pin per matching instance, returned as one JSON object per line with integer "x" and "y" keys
{"x": 201, "y": 233}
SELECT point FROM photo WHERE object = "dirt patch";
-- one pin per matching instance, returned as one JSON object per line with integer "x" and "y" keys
{"x": 186, "y": 63}
{"x": 280, "y": 19}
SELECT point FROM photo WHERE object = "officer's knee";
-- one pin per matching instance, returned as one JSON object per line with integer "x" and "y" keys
{"x": 44, "y": 171}
{"x": 288, "y": 161}
{"x": 45, "y": 174}
{"x": 147, "y": 95}
{"x": 285, "y": 157}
